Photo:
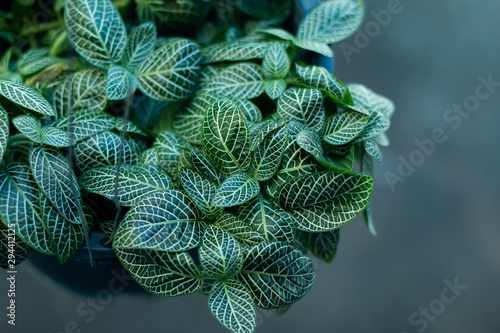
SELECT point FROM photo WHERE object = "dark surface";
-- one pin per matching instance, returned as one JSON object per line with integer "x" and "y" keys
{"x": 441, "y": 223}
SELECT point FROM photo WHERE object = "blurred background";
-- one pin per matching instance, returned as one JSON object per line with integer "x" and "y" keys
{"x": 435, "y": 264}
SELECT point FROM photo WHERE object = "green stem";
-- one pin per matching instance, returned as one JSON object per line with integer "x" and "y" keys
{"x": 42, "y": 27}
{"x": 58, "y": 43}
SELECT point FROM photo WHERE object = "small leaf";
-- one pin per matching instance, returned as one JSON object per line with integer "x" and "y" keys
{"x": 275, "y": 88}
{"x": 267, "y": 157}
{"x": 162, "y": 273}
{"x": 140, "y": 45}
{"x": 276, "y": 274}
{"x": 373, "y": 150}
{"x": 319, "y": 77}
{"x": 317, "y": 47}
{"x": 278, "y": 32}
{"x": 85, "y": 124}
{"x": 304, "y": 105}
{"x": 201, "y": 191}
{"x": 26, "y": 97}
{"x": 168, "y": 149}
{"x": 371, "y": 101}
{"x": 276, "y": 63}
{"x": 323, "y": 244}
{"x": 231, "y": 303}
{"x": 120, "y": 83}
{"x": 236, "y": 190}
{"x": 96, "y": 30}
{"x": 237, "y": 50}
{"x": 241, "y": 230}
{"x": 4, "y": 130}
{"x": 148, "y": 110}
{"x": 163, "y": 221}
{"x": 259, "y": 131}
{"x": 220, "y": 254}
{"x": 343, "y": 127}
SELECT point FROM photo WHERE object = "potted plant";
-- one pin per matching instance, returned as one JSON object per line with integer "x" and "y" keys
{"x": 198, "y": 136}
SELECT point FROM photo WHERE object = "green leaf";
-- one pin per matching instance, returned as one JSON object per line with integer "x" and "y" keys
{"x": 168, "y": 148}
{"x": 274, "y": 88}
{"x": 55, "y": 178}
{"x": 274, "y": 11}
{"x": 259, "y": 131}
{"x": 370, "y": 101}
{"x": 201, "y": 191}
{"x": 188, "y": 121}
{"x": 103, "y": 149}
{"x": 267, "y": 156}
{"x": 162, "y": 273}
{"x": 19, "y": 206}
{"x": 304, "y": 105}
{"x": 162, "y": 221}
{"x": 276, "y": 274}
{"x": 203, "y": 166}
{"x": 367, "y": 214}
{"x": 320, "y": 48}
{"x": 140, "y": 45}
{"x": 85, "y": 124}
{"x": 230, "y": 302}
{"x": 319, "y": 77}
{"x": 226, "y": 138}
{"x": 171, "y": 72}
{"x": 179, "y": 14}
{"x": 236, "y": 190}
{"x": 331, "y": 22}
{"x": 373, "y": 150}
{"x": 220, "y": 254}
{"x": 278, "y": 32}
{"x": 96, "y": 30}
{"x": 4, "y": 130}
{"x": 85, "y": 90}
{"x": 134, "y": 182}
{"x": 243, "y": 80}
{"x": 26, "y": 97}
{"x": 120, "y": 84}
{"x": 377, "y": 124}
{"x": 241, "y": 230}
{"x": 323, "y": 244}
{"x": 268, "y": 219}
{"x": 148, "y": 110}
{"x": 30, "y": 127}
{"x": 237, "y": 50}
{"x": 9, "y": 244}
{"x": 34, "y": 61}
{"x": 276, "y": 63}
{"x": 343, "y": 127}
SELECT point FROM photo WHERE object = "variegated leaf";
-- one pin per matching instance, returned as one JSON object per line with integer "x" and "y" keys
{"x": 52, "y": 136}
{"x": 321, "y": 48}
{"x": 85, "y": 124}
{"x": 376, "y": 125}
{"x": 140, "y": 45}
{"x": 319, "y": 77}
{"x": 373, "y": 150}
{"x": 371, "y": 101}
{"x": 276, "y": 63}
{"x": 201, "y": 191}
{"x": 343, "y": 127}
{"x": 241, "y": 230}
{"x": 26, "y": 97}
{"x": 168, "y": 149}
{"x": 259, "y": 131}
{"x": 323, "y": 244}
{"x": 4, "y": 130}
{"x": 304, "y": 105}
{"x": 234, "y": 51}
{"x": 267, "y": 156}
{"x": 236, "y": 190}
{"x": 120, "y": 83}
{"x": 274, "y": 88}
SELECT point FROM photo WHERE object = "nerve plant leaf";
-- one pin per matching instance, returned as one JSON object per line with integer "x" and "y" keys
{"x": 4, "y": 130}
{"x": 96, "y": 30}
{"x": 240, "y": 229}
{"x": 320, "y": 78}
{"x": 231, "y": 303}
{"x": 26, "y": 97}
{"x": 201, "y": 191}
{"x": 51, "y": 136}
{"x": 276, "y": 63}
{"x": 235, "y": 190}
{"x": 267, "y": 156}
{"x": 162, "y": 221}
{"x": 343, "y": 127}
{"x": 276, "y": 274}
{"x": 304, "y": 105}
{"x": 85, "y": 124}
{"x": 323, "y": 244}
{"x": 162, "y": 273}
{"x": 120, "y": 84}
{"x": 140, "y": 45}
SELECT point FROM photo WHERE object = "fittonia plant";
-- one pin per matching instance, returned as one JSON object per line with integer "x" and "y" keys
{"x": 224, "y": 158}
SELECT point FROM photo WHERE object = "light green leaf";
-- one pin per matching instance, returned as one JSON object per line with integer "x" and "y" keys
{"x": 201, "y": 191}
{"x": 19, "y": 206}
{"x": 85, "y": 90}
{"x": 55, "y": 137}
{"x": 323, "y": 244}
{"x": 276, "y": 63}
{"x": 276, "y": 274}
{"x": 241, "y": 230}
{"x": 163, "y": 221}
{"x": 249, "y": 110}
{"x": 140, "y": 45}
{"x": 120, "y": 84}
{"x": 96, "y": 30}
{"x": 310, "y": 141}
{"x": 230, "y": 302}
{"x": 373, "y": 150}
{"x": 377, "y": 124}
{"x": 34, "y": 61}
{"x": 226, "y": 138}
{"x": 103, "y": 149}
{"x": 343, "y": 127}
{"x": 171, "y": 72}
{"x": 319, "y": 77}
{"x": 55, "y": 178}
{"x": 85, "y": 124}
{"x": 134, "y": 182}
{"x": 188, "y": 121}
{"x": 28, "y": 126}
{"x": 236, "y": 190}
{"x": 18, "y": 248}
{"x": 162, "y": 273}
{"x": 331, "y": 21}
{"x": 243, "y": 80}
{"x": 304, "y": 105}
{"x": 4, "y": 130}
{"x": 317, "y": 47}
{"x": 268, "y": 219}
{"x": 267, "y": 156}
{"x": 371, "y": 101}
{"x": 26, "y": 97}
{"x": 220, "y": 254}
{"x": 278, "y": 32}
{"x": 274, "y": 88}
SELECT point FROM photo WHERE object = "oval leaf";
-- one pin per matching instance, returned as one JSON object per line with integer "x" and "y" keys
{"x": 236, "y": 190}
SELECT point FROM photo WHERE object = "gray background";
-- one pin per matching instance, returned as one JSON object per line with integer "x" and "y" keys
{"x": 441, "y": 223}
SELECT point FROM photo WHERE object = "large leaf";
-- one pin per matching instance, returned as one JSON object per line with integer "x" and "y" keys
{"x": 226, "y": 138}
{"x": 162, "y": 273}
{"x": 26, "y": 97}
{"x": 276, "y": 63}
{"x": 230, "y": 302}
{"x": 85, "y": 90}
{"x": 243, "y": 80}
{"x": 304, "y": 105}
{"x": 134, "y": 181}
{"x": 120, "y": 84}
{"x": 96, "y": 30}
{"x": 12, "y": 249}
{"x": 57, "y": 181}
{"x": 268, "y": 219}
{"x": 236, "y": 190}
{"x": 170, "y": 73}
{"x": 267, "y": 156}
{"x": 85, "y": 124}
{"x": 276, "y": 274}
{"x": 201, "y": 191}
{"x": 4, "y": 130}
{"x": 331, "y": 21}
{"x": 343, "y": 127}
{"x": 323, "y": 244}
{"x": 241, "y": 230}
{"x": 140, "y": 45}
{"x": 163, "y": 221}
{"x": 220, "y": 254}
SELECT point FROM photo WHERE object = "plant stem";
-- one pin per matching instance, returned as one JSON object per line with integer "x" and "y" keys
{"x": 56, "y": 47}
{"x": 42, "y": 27}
